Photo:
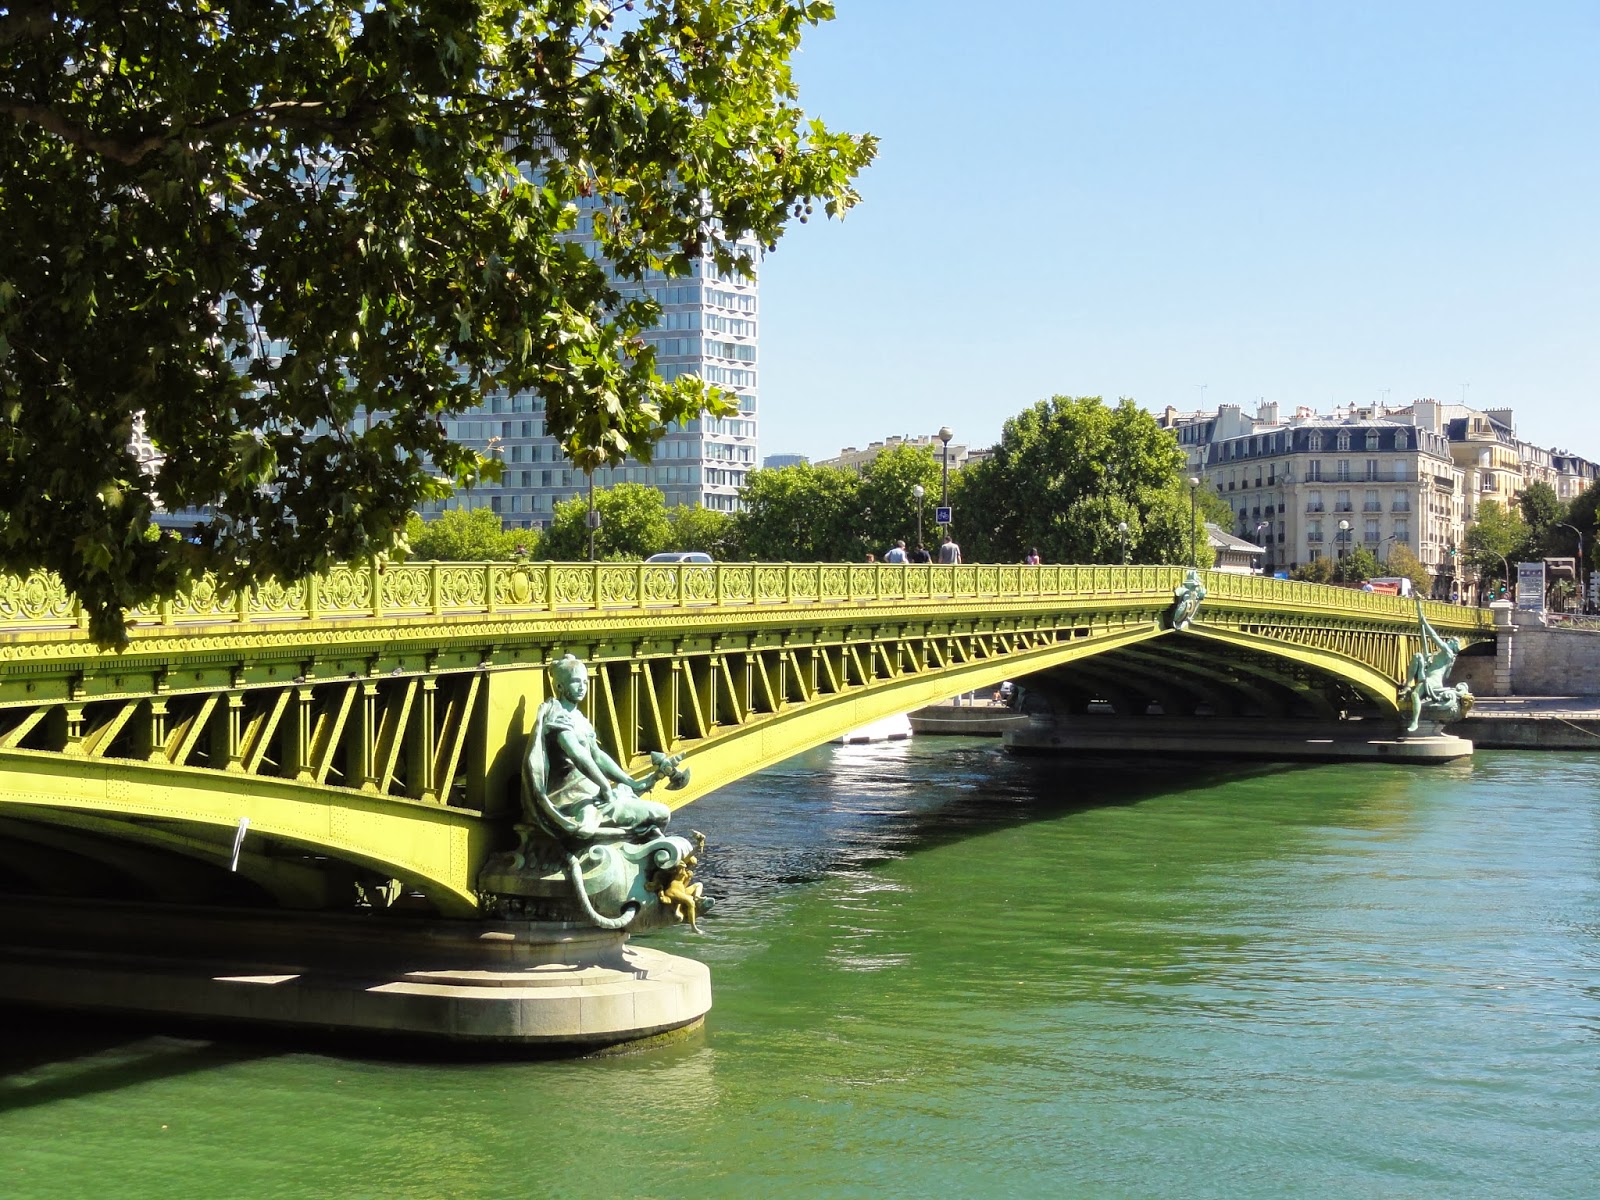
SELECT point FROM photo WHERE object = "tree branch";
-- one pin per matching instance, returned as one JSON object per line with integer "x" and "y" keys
{"x": 130, "y": 152}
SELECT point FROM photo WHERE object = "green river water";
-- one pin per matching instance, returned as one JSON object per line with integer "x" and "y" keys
{"x": 942, "y": 971}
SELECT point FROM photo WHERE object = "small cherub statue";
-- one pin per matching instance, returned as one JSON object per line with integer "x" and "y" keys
{"x": 675, "y": 890}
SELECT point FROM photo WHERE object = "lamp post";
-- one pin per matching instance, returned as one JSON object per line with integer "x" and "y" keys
{"x": 1267, "y": 556}
{"x": 592, "y": 519}
{"x": 1194, "y": 553}
{"x": 1344, "y": 537}
{"x": 1122, "y": 529}
{"x": 918, "y": 491}
{"x": 945, "y": 434}
{"x": 1583, "y": 592}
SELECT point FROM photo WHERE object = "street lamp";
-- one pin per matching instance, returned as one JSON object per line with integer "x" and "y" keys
{"x": 1194, "y": 553}
{"x": 592, "y": 520}
{"x": 918, "y": 491}
{"x": 1344, "y": 538}
{"x": 1267, "y": 557}
{"x": 945, "y": 434}
{"x": 1122, "y": 528}
{"x": 1583, "y": 592}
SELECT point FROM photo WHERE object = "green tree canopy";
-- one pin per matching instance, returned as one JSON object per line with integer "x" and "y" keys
{"x": 1067, "y": 473}
{"x": 802, "y": 514}
{"x": 1318, "y": 570}
{"x": 1358, "y": 566}
{"x": 1541, "y": 509}
{"x": 467, "y": 535}
{"x": 696, "y": 528}
{"x": 243, "y": 223}
{"x": 1581, "y": 515}
{"x": 805, "y": 513}
{"x": 1494, "y": 538}
{"x": 1404, "y": 564}
{"x": 888, "y": 503}
{"x": 633, "y": 524}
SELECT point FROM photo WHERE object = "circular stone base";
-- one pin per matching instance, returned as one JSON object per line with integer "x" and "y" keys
{"x": 511, "y": 983}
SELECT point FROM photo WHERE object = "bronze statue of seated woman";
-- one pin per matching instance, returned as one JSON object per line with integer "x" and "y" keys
{"x": 572, "y": 790}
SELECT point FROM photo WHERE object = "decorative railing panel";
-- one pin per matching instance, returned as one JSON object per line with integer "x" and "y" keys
{"x": 410, "y": 590}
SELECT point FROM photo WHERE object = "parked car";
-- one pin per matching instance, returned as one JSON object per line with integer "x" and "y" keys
{"x": 680, "y": 556}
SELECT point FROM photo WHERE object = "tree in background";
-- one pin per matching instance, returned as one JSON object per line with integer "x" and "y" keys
{"x": 239, "y": 224}
{"x": 801, "y": 514}
{"x": 1541, "y": 509}
{"x": 1404, "y": 564}
{"x": 633, "y": 524}
{"x": 467, "y": 535}
{"x": 697, "y": 528}
{"x": 1358, "y": 566}
{"x": 1318, "y": 570}
{"x": 1065, "y": 474}
{"x": 1494, "y": 538}
{"x": 888, "y": 509}
{"x": 1581, "y": 514}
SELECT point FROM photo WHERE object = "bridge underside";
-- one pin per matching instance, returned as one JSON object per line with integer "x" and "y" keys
{"x": 1207, "y": 676}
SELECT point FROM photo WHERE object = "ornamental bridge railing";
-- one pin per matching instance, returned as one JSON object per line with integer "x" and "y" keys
{"x": 380, "y": 591}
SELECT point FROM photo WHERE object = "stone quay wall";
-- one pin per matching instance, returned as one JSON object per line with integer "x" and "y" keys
{"x": 1535, "y": 659}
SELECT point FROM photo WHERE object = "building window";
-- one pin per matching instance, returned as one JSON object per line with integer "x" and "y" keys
{"x": 1314, "y": 444}
{"x": 1313, "y": 470}
{"x": 1344, "y": 439}
{"x": 1372, "y": 439}
{"x": 1372, "y": 468}
{"x": 1344, "y": 469}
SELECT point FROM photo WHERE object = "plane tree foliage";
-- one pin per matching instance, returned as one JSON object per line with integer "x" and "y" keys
{"x": 467, "y": 535}
{"x": 1066, "y": 474}
{"x": 806, "y": 513}
{"x": 694, "y": 527}
{"x": 293, "y": 237}
{"x": 633, "y": 524}
{"x": 1403, "y": 563}
{"x": 802, "y": 513}
{"x": 1582, "y": 515}
{"x": 1495, "y": 537}
{"x": 1541, "y": 509}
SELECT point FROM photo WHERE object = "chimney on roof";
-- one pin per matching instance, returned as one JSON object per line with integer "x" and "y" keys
{"x": 1267, "y": 412}
{"x": 1425, "y": 414}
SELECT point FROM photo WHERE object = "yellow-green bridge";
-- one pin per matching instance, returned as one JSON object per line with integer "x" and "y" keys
{"x": 366, "y": 726}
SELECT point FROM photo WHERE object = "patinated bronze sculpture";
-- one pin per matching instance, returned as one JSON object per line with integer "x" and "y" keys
{"x": 1426, "y": 689}
{"x": 592, "y": 847}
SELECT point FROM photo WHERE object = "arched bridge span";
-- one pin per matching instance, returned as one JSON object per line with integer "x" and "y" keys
{"x": 365, "y": 726}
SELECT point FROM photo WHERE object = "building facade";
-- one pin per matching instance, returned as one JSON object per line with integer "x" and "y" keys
{"x": 1319, "y": 487}
{"x": 855, "y": 460}
{"x": 710, "y": 327}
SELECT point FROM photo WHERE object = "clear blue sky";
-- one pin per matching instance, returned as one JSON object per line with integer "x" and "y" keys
{"x": 1308, "y": 202}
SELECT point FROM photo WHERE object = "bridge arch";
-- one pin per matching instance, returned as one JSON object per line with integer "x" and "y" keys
{"x": 372, "y": 721}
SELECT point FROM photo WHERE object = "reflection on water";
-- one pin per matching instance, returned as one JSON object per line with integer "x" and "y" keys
{"x": 942, "y": 969}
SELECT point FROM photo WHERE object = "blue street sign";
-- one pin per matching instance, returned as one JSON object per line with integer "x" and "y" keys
{"x": 941, "y": 515}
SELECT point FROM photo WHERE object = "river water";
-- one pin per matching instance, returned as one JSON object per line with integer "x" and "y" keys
{"x": 940, "y": 970}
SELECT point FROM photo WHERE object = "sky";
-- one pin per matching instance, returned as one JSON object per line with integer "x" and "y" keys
{"x": 1194, "y": 204}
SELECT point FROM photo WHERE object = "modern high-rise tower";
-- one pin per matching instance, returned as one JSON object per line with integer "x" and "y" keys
{"x": 709, "y": 326}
